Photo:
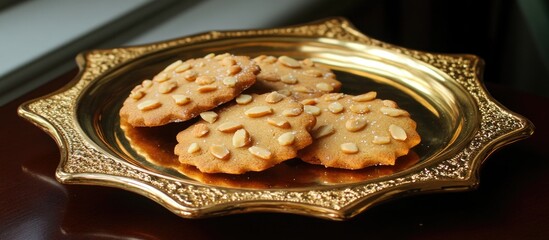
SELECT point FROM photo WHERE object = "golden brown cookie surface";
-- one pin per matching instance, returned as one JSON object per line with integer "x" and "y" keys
{"x": 353, "y": 132}
{"x": 303, "y": 79}
{"x": 252, "y": 134}
{"x": 184, "y": 89}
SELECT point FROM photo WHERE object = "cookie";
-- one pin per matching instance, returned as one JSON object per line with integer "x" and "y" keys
{"x": 353, "y": 132}
{"x": 156, "y": 146}
{"x": 302, "y": 79}
{"x": 253, "y": 133}
{"x": 184, "y": 89}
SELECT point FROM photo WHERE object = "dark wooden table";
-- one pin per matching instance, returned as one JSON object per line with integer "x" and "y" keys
{"x": 512, "y": 201}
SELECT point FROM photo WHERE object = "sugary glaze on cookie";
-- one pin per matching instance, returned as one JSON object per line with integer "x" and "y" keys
{"x": 254, "y": 133}
{"x": 185, "y": 89}
{"x": 302, "y": 79}
{"x": 353, "y": 132}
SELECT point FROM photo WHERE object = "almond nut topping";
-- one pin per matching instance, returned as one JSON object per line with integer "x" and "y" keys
{"x": 390, "y": 103}
{"x": 397, "y": 132}
{"x": 137, "y": 94}
{"x": 313, "y": 110}
{"x": 271, "y": 77}
{"x": 292, "y": 112}
{"x": 365, "y": 97}
{"x": 289, "y": 62}
{"x": 381, "y": 140}
{"x": 359, "y": 109}
{"x": 349, "y": 148}
{"x": 161, "y": 77}
{"x": 258, "y": 111}
{"x": 204, "y": 80}
{"x": 147, "y": 83}
{"x": 228, "y": 61}
{"x": 167, "y": 87}
{"x": 229, "y": 127}
{"x": 233, "y": 70}
{"x": 183, "y": 67}
{"x": 324, "y": 87}
{"x": 330, "y": 97}
{"x": 229, "y": 81}
{"x": 277, "y": 122}
{"x": 222, "y": 56}
{"x": 288, "y": 79}
{"x": 190, "y": 75}
{"x": 149, "y": 105}
{"x": 270, "y": 59}
{"x": 219, "y": 151}
{"x": 200, "y": 130}
{"x": 260, "y": 58}
{"x": 335, "y": 107}
{"x": 393, "y": 112}
{"x": 285, "y": 92}
{"x": 241, "y": 138}
{"x": 260, "y": 152}
{"x": 207, "y": 88}
{"x": 286, "y": 139}
{"x": 209, "y": 55}
{"x": 323, "y": 131}
{"x": 308, "y": 62}
{"x": 354, "y": 125}
{"x": 303, "y": 89}
{"x": 193, "y": 148}
{"x": 244, "y": 99}
{"x": 173, "y": 66}
{"x": 209, "y": 116}
{"x": 274, "y": 97}
{"x": 310, "y": 101}
{"x": 313, "y": 73}
{"x": 181, "y": 99}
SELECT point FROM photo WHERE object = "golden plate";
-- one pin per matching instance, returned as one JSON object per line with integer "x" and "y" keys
{"x": 458, "y": 120}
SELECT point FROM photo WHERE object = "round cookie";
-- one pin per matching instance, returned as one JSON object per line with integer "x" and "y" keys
{"x": 353, "y": 132}
{"x": 184, "y": 89}
{"x": 253, "y": 134}
{"x": 302, "y": 79}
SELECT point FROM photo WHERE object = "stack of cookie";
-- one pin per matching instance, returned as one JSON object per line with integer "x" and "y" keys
{"x": 256, "y": 113}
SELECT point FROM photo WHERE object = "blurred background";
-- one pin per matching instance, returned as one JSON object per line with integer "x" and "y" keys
{"x": 40, "y": 38}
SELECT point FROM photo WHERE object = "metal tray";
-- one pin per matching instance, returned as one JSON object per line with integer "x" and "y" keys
{"x": 459, "y": 122}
